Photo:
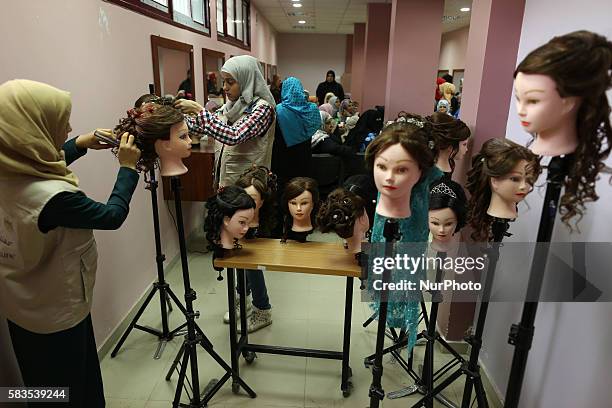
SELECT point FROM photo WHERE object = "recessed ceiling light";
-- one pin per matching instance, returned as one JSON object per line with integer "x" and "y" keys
{"x": 295, "y": 1}
{"x": 464, "y": 9}
{"x": 302, "y": 21}
{"x": 297, "y": 5}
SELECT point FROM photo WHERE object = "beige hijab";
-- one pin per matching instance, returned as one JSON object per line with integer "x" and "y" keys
{"x": 33, "y": 127}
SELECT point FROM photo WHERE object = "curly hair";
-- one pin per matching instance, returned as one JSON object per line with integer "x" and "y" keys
{"x": 294, "y": 188}
{"x": 580, "y": 64}
{"x": 149, "y": 122}
{"x": 448, "y": 132}
{"x": 496, "y": 158}
{"x": 339, "y": 212}
{"x": 445, "y": 193}
{"x": 415, "y": 136}
{"x": 224, "y": 204}
{"x": 264, "y": 181}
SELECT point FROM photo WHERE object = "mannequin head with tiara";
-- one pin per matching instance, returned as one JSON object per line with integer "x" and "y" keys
{"x": 447, "y": 213}
{"x": 160, "y": 132}
{"x": 561, "y": 101}
{"x": 344, "y": 213}
{"x": 502, "y": 174}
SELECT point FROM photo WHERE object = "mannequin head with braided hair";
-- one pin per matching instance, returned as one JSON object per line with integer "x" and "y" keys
{"x": 227, "y": 220}
{"x": 399, "y": 157}
{"x": 344, "y": 213}
{"x": 451, "y": 137}
{"x": 160, "y": 132}
{"x": 502, "y": 174}
{"x": 561, "y": 101}
{"x": 260, "y": 183}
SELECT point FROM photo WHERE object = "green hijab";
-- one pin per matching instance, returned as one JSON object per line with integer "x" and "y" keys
{"x": 33, "y": 128}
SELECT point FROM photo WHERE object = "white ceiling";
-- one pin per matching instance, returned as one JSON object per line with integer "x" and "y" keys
{"x": 338, "y": 16}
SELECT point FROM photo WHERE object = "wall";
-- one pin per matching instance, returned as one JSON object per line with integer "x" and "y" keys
{"x": 101, "y": 53}
{"x": 453, "y": 49}
{"x": 569, "y": 363}
{"x": 309, "y": 56}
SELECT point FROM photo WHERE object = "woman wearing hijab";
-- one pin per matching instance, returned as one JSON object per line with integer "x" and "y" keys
{"x": 329, "y": 85}
{"x": 371, "y": 121}
{"x": 48, "y": 252}
{"x": 325, "y": 140}
{"x": 297, "y": 121}
{"x": 243, "y": 127}
{"x": 335, "y": 104}
{"x": 326, "y": 107}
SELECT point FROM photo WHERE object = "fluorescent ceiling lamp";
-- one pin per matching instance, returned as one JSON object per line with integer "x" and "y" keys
{"x": 302, "y": 22}
{"x": 464, "y": 9}
{"x": 297, "y": 5}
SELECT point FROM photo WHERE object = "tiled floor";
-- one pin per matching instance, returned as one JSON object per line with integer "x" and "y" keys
{"x": 307, "y": 312}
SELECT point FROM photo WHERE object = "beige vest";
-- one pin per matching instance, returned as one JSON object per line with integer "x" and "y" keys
{"x": 46, "y": 280}
{"x": 236, "y": 159}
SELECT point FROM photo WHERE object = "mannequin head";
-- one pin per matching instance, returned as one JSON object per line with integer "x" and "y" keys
{"x": 156, "y": 120}
{"x": 451, "y": 137}
{"x": 229, "y": 213}
{"x": 447, "y": 211}
{"x": 502, "y": 174}
{"x": 398, "y": 157}
{"x": 300, "y": 199}
{"x": 344, "y": 213}
{"x": 448, "y": 90}
{"x": 561, "y": 99}
{"x": 363, "y": 186}
{"x": 260, "y": 184}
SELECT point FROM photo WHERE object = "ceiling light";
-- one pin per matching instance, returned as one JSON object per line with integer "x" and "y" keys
{"x": 297, "y": 5}
{"x": 464, "y": 9}
{"x": 295, "y": 1}
{"x": 302, "y": 22}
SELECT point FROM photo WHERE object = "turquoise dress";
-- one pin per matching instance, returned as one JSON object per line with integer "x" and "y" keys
{"x": 403, "y": 308}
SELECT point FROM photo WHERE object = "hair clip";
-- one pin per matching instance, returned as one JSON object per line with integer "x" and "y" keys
{"x": 415, "y": 122}
{"x": 221, "y": 189}
{"x": 431, "y": 145}
{"x": 482, "y": 159}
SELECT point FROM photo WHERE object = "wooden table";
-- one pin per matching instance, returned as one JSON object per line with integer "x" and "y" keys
{"x": 317, "y": 258}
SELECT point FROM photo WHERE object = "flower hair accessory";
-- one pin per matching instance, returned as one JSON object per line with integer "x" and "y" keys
{"x": 415, "y": 122}
{"x": 443, "y": 189}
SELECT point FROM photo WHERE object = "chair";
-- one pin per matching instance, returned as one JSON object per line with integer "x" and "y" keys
{"x": 328, "y": 171}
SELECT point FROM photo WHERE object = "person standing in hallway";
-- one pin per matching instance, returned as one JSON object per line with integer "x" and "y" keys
{"x": 329, "y": 85}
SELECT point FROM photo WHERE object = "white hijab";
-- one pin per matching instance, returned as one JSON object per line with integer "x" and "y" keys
{"x": 245, "y": 70}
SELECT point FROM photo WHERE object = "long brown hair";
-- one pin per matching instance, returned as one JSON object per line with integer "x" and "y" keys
{"x": 264, "y": 181}
{"x": 580, "y": 64}
{"x": 448, "y": 132}
{"x": 294, "y": 188}
{"x": 496, "y": 158}
{"x": 149, "y": 122}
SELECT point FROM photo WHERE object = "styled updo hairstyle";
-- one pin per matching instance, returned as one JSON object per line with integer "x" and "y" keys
{"x": 445, "y": 193}
{"x": 225, "y": 203}
{"x": 149, "y": 122}
{"x": 580, "y": 64}
{"x": 414, "y": 134}
{"x": 448, "y": 132}
{"x": 294, "y": 188}
{"x": 339, "y": 212}
{"x": 264, "y": 182}
{"x": 496, "y": 158}
{"x": 363, "y": 186}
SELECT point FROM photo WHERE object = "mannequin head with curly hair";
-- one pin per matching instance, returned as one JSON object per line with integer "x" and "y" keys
{"x": 502, "y": 174}
{"x": 561, "y": 101}
{"x": 399, "y": 157}
{"x": 160, "y": 132}
{"x": 344, "y": 213}
{"x": 300, "y": 200}
{"x": 260, "y": 184}
{"x": 447, "y": 211}
{"x": 451, "y": 137}
{"x": 227, "y": 220}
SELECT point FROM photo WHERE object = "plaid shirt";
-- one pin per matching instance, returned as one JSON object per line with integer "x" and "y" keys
{"x": 255, "y": 124}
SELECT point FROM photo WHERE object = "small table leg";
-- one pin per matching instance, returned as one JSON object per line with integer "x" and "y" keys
{"x": 346, "y": 344}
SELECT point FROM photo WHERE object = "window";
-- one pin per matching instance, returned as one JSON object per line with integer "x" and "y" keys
{"x": 189, "y": 14}
{"x": 233, "y": 22}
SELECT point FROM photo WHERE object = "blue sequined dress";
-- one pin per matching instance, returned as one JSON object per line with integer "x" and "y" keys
{"x": 402, "y": 310}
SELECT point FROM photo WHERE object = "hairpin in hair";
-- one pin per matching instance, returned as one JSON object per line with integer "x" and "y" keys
{"x": 443, "y": 189}
{"x": 415, "y": 122}
{"x": 220, "y": 189}
{"x": 482, "y": 159}
{"x": 431, "y": 145}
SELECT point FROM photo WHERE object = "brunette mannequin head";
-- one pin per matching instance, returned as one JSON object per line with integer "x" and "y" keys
{"x": 447, "y": 211}
{"x": 561, "y": 99}
{"x": 344, "y": 213}
{"x": 260, "y": 184}
{"x": 300, "y": 200}
{"x": 451, "y": 137}
{"x": 228, "y": 216}
{"x": 502, "y": 174}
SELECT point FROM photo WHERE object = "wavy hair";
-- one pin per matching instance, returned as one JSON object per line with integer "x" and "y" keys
{"x": 339, "y": 212}
{"x": 580, "y": 64}
{"x": 496, "y": 158}
{"x": 224, "y": 204}
{"x": 448, "y": 132}
{"x": 264, "y": 181}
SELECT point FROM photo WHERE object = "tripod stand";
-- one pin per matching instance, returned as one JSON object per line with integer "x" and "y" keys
{"x": 471, "y": 369}
{"x": 195, "y": 335}
{"x": 161, "y": 285}
{"x": 521, "y": 335}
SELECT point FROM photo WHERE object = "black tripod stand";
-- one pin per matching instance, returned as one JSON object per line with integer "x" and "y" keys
{"x": 161, "y": 285}
{"x": 521, "y": 335}
{"x": 188, "y": 353}
{"x": 471, "y": 369}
